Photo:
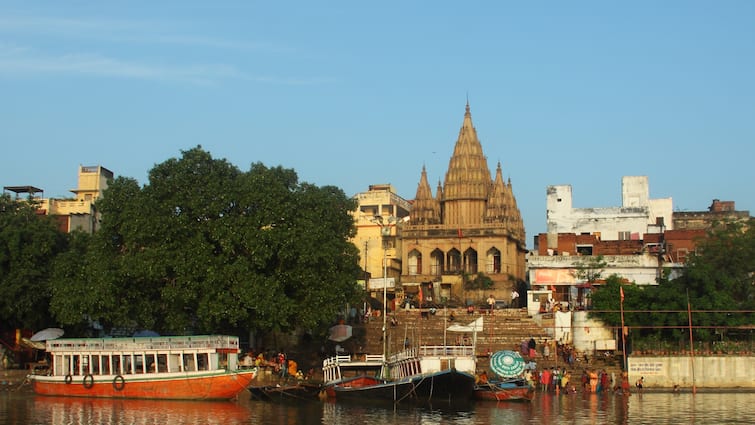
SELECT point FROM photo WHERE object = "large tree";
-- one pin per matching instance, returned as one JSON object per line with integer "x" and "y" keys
{"x": 718, "y": 283}
{"x": 29, "y": 243}
{"x": 204, "y": 247}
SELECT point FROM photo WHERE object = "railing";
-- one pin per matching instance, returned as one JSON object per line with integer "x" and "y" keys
{"x": 144, "y": 343}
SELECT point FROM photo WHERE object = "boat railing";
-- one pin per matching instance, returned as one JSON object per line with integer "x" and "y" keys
{"x": 223, "y": 342}
{"x": 446, "y": 350}
{"x": 345, "y": 359}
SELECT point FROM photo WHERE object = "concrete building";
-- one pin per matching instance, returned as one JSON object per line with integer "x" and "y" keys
{"x": 378, "y": 241}
{"x": 470, "y": 226}
{"x": 628, "y": 239}
{"x": 77, "y": 213}
{"x": 630, "y": 221}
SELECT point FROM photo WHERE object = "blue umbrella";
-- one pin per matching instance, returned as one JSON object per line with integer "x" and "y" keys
{"x": 506, "y": 363}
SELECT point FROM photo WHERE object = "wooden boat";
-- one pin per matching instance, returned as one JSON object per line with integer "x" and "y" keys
{"x": 427, "y": 374}
{"x": 347, "y": 372}
{"x": 509, "y": 365}
{"x": 301, "y": 391}
{"x": 512, "y": 389}
{"x": 176, "y": 368}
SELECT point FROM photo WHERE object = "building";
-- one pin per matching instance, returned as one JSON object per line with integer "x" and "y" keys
{"x": 638, "y": 214}
{"x": 378, "y": 241}
{"x": 470, "y": 226}
{"x": 632, "y": 241}
{"x": 79, "y": 212}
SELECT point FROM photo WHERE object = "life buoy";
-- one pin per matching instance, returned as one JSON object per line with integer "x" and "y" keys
{"x": 69, "y": 379}
{"x": 119, "y": 383}
{"x": 88, "y": 381}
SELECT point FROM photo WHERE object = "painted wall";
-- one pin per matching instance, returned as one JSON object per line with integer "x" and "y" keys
{"x": 709, "y": 372}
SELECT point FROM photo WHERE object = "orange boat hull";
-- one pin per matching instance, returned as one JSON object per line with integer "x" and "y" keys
{"x": 222, "y": 385}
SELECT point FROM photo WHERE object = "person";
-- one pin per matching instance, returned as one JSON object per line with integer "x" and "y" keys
{"x": 482, "y": 378}
{"x": 639, "y": 384}
{"x": 491, "y": 303}
{"x": 451, "y": 317}
{"x": 514, "y": 299}
{"x": 546, "y": 350}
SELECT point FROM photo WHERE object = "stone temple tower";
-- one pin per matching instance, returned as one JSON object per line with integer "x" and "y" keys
{"x": 471, "y": 226}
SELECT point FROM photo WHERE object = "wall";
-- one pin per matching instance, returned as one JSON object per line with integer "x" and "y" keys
{"x": 709, "y": 372}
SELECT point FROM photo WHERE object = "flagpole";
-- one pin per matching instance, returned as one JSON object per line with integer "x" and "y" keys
{"x": 623, "y": 333}
{"x": 691, "y": 344}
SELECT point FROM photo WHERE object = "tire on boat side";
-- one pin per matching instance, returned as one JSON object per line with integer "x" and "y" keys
{"x": 69, "y": 378}
{"x": 88, "y": 381}
{"x": 119, "y": 383}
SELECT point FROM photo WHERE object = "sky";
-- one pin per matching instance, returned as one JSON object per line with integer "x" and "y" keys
{"x": 351, "y": 93}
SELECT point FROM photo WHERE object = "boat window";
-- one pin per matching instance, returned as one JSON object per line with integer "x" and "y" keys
{"x": 95, "y": 369}
{"x": 189, "y": 363}
{"x": 202, "y": 361}
{"x": 162, "y": 363}
{"x": 151, "y": 364}
{"x": 139, "y": 363}
{"x": 127, "y": 365}
{"x": 117, "y": 365}
{"x": 105, "y": 365}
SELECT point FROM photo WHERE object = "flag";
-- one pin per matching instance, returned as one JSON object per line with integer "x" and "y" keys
{"x": 420, "y": 296}
{"x": 621, "y": 290}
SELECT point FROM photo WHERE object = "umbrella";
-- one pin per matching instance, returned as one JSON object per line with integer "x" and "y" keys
{"x": 506, "y": 363}
{"x": 47, "y": 334}
{"x": 145, "y": 333}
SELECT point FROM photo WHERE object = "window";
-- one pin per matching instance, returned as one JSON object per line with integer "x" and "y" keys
{"x": 584, "y": 249}
{"x": 625, "y": 236}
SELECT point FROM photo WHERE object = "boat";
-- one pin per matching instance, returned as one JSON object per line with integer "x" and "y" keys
{"x": 509, "y": 365}
{"x": 505, "y": 390}
{"x": 296, "y": 393}
{"x": 424, "y": 374}
{"x": 347, "y": 371}
{"x": 201, "y": 367}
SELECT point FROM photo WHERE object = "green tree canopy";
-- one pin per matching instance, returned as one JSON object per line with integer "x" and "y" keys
{"x": 719, "y": 281}
{"x": 29, "y": 243}
{"x": 205, "y": 247}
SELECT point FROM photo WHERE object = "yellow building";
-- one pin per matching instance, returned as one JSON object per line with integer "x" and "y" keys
{"x": 77, "y": 213}
{"x": 379, "y": 214}
{"x": 471, "y": 225}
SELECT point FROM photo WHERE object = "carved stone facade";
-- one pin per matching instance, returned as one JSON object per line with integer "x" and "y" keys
{"x": 471, "y": 225}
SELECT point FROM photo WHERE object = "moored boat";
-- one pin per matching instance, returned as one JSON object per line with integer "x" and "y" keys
{"x": 427, "y": 374}
{"x": 512, "y": 389}
{"x": 169, "y": 368}
{"x": 346, "y": 371}
{"x": 509, "y": 365}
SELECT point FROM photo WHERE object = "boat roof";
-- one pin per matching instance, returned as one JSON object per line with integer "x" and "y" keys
{"x": 196, "y": 342}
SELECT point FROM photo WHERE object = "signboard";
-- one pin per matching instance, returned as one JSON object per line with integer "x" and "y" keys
{"x": 378, "y": 283}
{"x": 554, "y": 276}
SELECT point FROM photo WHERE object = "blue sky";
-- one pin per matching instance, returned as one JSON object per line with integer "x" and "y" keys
{"x": 351, "y": 93}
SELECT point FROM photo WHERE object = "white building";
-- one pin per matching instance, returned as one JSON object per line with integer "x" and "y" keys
{"x": 627, "y": 222}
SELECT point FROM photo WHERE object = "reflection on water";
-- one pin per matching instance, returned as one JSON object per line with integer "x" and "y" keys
{"x": 649, "y": 408}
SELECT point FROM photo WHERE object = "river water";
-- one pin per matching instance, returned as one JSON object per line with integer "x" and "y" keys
{"x": 18, "y": 408}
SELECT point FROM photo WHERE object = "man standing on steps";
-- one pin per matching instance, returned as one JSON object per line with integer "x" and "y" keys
{"x": 514, "y": 298}
{"x": 491, "y": 304}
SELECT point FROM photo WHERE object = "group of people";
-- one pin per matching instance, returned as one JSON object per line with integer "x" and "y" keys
{"x": 279, "y": 363}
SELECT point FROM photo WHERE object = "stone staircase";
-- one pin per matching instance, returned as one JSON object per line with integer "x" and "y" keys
{"x": 505, "y": 329}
